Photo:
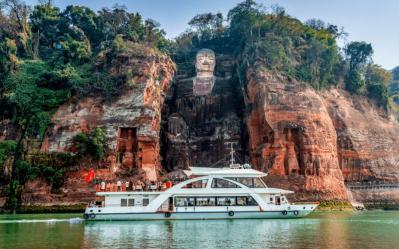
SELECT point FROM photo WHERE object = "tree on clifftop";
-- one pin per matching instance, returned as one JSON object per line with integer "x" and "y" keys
{"x": 358, "y": 54}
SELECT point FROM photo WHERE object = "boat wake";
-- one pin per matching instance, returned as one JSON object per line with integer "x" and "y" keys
{"x": 49, "y": 221}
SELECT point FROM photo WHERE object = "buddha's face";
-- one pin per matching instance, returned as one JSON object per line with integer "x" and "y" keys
{"x": 205, "y": 61}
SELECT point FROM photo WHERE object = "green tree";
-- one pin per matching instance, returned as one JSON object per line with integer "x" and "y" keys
{"x": 358, "y": 54}
{"x": 395, "y": 73}
{"x": 242, "y": 19}
{"x": 15, "y": 25}
{"x": 376, "y": 74}
{"x": 8, "y": 59}
{"x": 377, "y": 80}
{"x": 44, "y": 21}
{"x": 91, "y": 144}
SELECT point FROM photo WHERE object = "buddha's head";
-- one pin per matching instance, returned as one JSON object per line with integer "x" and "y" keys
{"x": 205, "y": 61}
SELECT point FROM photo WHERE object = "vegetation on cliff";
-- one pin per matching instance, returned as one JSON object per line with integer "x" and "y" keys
{"x": 49, "y": 56}
{"x": 306, "y": 51}
{"x": 393, "y": 91}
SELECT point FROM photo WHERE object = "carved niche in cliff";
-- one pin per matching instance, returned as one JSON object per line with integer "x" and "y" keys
{"x": 205, "y": 66}
{"x": 203, "y": 113}
{"x": 127, "y": 147}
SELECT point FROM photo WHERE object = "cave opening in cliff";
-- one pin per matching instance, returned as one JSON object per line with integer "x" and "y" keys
{"x": 127, "y": 147}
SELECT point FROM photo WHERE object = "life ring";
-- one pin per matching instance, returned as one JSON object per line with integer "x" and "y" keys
{"x": 231, "y": 213}
{"x": 86, "y": 216}
{"x": 92, "y": 216}
{"x": 285, "y": 212}
{"x": 296, "y": 213}
{"x": 168, "y": 214}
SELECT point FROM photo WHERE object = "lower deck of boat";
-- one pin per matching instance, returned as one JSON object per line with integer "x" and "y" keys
{"x": 197, "y": 215}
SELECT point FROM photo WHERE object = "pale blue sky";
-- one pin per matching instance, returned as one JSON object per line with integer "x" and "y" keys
{"x": 374, "y": 21}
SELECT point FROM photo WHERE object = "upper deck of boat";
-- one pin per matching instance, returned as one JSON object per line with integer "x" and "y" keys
{"x": 224, "y": 172}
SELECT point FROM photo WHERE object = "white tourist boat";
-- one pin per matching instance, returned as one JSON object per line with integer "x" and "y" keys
{"x": 232, "y": 192}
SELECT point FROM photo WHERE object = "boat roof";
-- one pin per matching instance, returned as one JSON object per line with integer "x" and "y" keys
{"x": 200, "y": 192}
{"x": 227, "y": 172}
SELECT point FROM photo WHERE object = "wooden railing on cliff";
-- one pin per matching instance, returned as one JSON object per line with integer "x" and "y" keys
{"x": 372, "y": 186}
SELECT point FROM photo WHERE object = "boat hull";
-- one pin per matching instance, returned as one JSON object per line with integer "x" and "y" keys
{"x": 197, "y": 215}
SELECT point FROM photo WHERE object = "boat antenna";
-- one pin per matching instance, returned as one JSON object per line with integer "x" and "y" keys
{"x": 232, "y": 152}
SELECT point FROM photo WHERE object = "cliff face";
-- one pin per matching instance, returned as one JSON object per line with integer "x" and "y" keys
{"x": 131, "y": 123}
{"x": 367, "y": 147}
{"x": 198, "y": 127}
{"x": 328, "y": 145}
{"x": 292, "y": 137}
{"x": 325, "y": 145}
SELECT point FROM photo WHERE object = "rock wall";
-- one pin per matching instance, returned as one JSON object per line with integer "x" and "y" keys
{"x": 131, "y": 121}
{"x": 292, "y": 136}
{"x": 324, "y": 145}
{"x": 367, "y": 143}
{"x": 198, "y": 127}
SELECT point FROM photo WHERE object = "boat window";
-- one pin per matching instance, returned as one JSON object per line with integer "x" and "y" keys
{"x": 241, "y": 201}
{"x": 250, "y": 182}
{"x": 146, "y": 201}
{"x": 247, "y": 181}
{"x": 246, "y": 201}
{"x": 130, "y": 202}
{"x": 222, "y": 183}
{"x": 181, "y": 201}
{"x": 226, "y": 201}
{"x": 191, "y": 201}
{"x": 251, "y": 201}
{"x": 123, "y": 202}
{"x": 205, "y": 201}
{"x": 197, "y": 184}
{"x": 215, "y": 201}
{"x": 258, "y": 183}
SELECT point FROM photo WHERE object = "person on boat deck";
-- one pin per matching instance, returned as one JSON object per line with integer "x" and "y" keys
{"x": 146, "y": 185}
{"x": 108, "y": 187}
{"x": 131, "y": 184}
{"x": 153, "y": 186}
{"x": 139, "y": 185}
{"x": 127, "y": 185}
{"x": 119, "y": 185}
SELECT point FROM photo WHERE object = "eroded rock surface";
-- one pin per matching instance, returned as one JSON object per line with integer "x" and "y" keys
{"x": 292, "y": 137}
{"x": 368, "y": 146}
{"x": 131, "y": 121}
{"x": 325, "y": 145}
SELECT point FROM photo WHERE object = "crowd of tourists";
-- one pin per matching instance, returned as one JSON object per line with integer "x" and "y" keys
{"x": 123, "y": 185}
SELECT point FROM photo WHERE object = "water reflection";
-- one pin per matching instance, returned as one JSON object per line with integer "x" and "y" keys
{"x": 203, "y": 234}
{"x": 336, "y": 230}
{"x": 321, "y": 230}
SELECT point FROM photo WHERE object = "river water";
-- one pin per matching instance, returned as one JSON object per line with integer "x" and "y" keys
{"x": 369, "y": 229}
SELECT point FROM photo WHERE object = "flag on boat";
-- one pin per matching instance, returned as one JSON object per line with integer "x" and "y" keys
{"x": 90, "y": 176}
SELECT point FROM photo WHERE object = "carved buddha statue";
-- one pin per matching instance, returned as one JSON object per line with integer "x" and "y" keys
{"x": 205, "y": 66}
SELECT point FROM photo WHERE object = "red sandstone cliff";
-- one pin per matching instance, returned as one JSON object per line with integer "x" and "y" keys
{"x": 131, "y": 123}
{"x": 317, "y": 143}
{"x": 367, "y": 147}
{"x": 321, "y": 143}
{"x": 292, "y": 136}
